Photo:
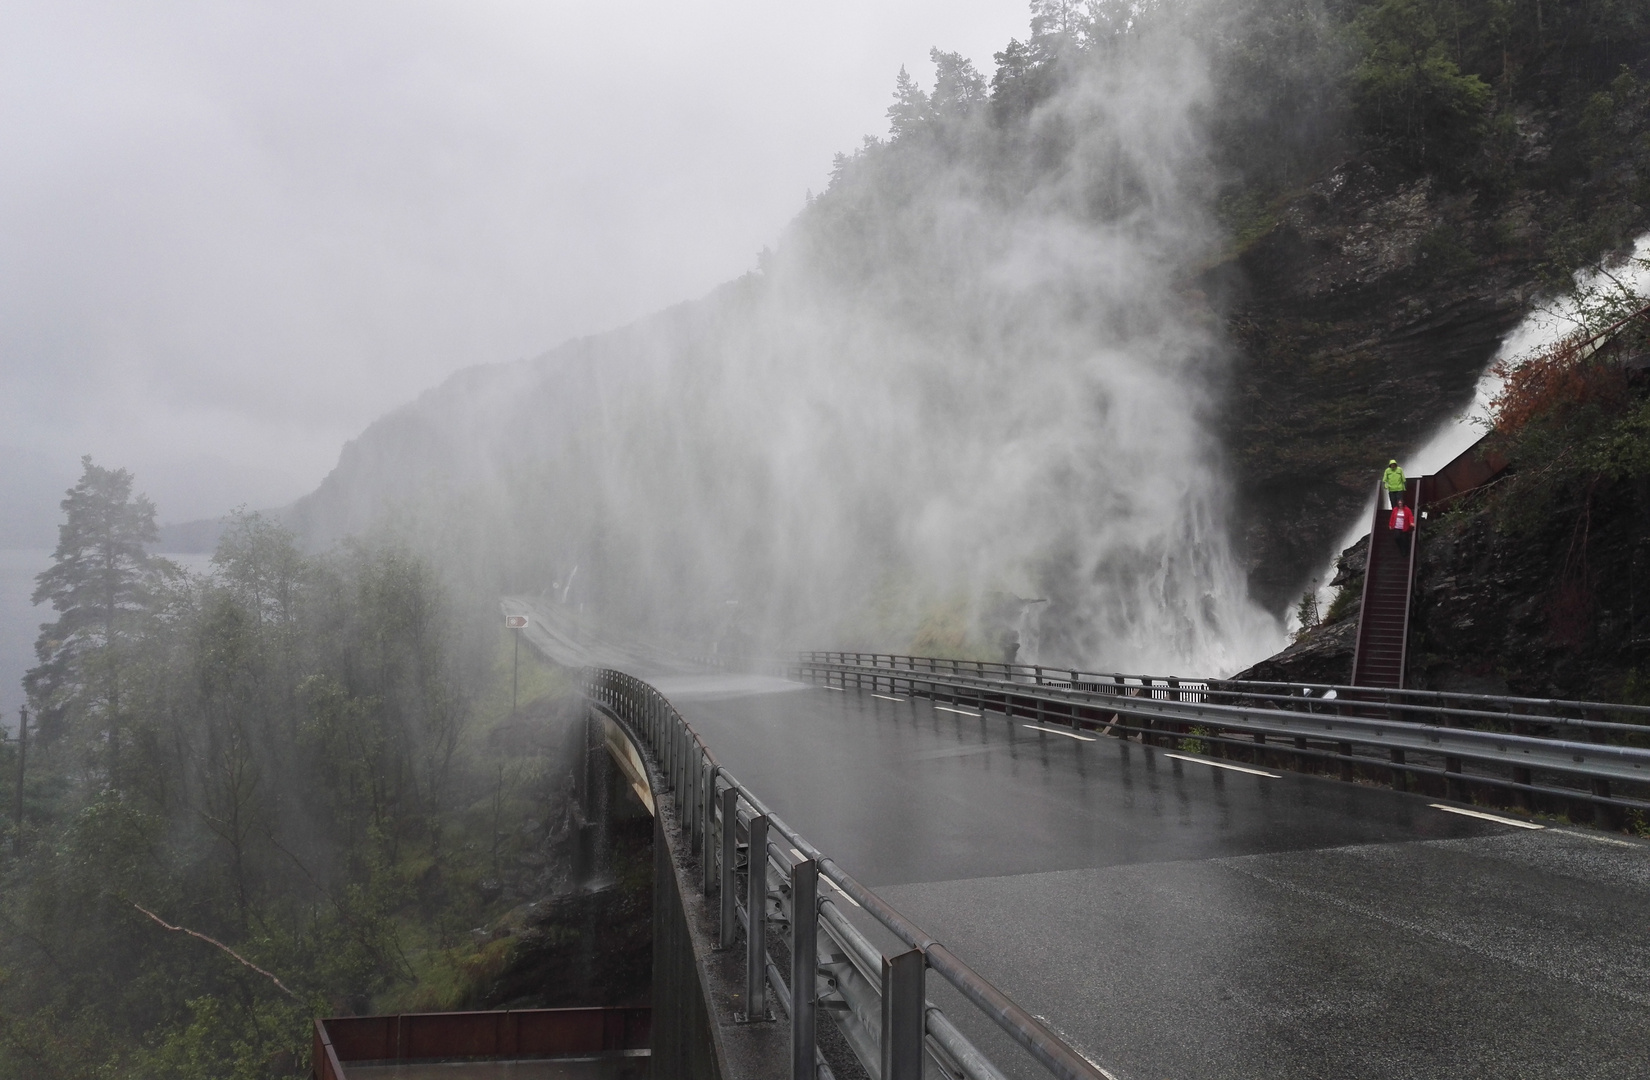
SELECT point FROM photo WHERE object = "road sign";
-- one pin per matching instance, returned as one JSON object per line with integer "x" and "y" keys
{"x": 515, "y": 622}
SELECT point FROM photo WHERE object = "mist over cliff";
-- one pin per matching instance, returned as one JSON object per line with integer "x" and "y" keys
{"x": 1121, "y": 329}
{"x": 975, "y": 370}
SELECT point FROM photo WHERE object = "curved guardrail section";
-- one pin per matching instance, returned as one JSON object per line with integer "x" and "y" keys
{"x": 1564, "y": 749}
{"x": 877, "y": 1001}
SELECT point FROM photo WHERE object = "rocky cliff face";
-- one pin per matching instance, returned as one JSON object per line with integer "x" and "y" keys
{"x": 1363, "y": 316}
{"x": 1555, "y": 604}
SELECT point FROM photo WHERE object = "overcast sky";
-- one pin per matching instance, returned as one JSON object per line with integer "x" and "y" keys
{"x": 231, "y": 235}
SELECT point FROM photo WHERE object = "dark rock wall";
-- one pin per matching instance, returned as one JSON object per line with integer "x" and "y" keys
{"x": 1550, "y": 601}
{"x": 1363, "y": 320}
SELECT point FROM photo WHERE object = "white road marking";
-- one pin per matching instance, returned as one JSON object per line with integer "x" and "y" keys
{"x": 1223, "y": 765}
{"x": 959, "y": 712}
{"x": 844, "y": 895}
{"x": 885, "y": 697}
{"x": 1071, "y": 1042}
{"x": 1057, "y": 731}
{"x": 1595, "y": 838}
{"x": 949, "y": 752}
{"x": 1486, "y": 817}
{"x": 828, "y": 686}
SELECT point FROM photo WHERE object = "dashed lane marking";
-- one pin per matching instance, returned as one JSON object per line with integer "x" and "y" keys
{"x": 1224, "y": 765}
{"x": 885, "y": 697}
{"x": 1057, "y": 731}
{"x": 959, "y": 712}
{"x": 1487, "y": 817}
{"x": 1596, "y": 838}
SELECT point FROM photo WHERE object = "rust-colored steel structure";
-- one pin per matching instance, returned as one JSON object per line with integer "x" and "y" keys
{"x": 509, "y": 1035}
{"x": 1383, "y": 622}
{"x": 1382, "y": 653}
{"x": 1472, "y": 468}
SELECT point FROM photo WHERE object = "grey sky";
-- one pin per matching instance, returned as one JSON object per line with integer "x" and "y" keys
{"x": 233, "y": 234}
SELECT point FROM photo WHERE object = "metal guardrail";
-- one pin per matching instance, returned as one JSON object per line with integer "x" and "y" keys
{"x": 877, "y": 1001}
{"x": 1526, "y": 745}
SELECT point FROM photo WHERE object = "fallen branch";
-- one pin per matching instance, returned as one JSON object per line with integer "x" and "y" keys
{"x": 217, "y": 943}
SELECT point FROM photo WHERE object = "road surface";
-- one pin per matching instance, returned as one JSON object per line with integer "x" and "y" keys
{"x": 1178, "y": 920}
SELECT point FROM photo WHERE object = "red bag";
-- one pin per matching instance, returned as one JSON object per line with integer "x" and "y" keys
{"x": 1402, "y": 519}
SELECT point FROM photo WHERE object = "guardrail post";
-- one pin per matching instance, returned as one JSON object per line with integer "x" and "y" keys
{"x": 707, "y": 810}
{"x": 678, "y": 778}
{"x": 1526, "y": 798}
{"x": 1400, "y": 778}
{"x": 904, "y": 1006}
{"x": 804, "y": 963}
{"x": 664, "y": 747}
{"x": 691, "y": 798}
{"x": 730, "y": 858}
{"x": 756, "y": 921}
{"x": 1610, "y": 815}
{"x": 1454, "y": 788}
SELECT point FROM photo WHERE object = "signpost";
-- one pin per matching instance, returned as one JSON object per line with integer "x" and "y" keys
{"x": 517, "y": 623}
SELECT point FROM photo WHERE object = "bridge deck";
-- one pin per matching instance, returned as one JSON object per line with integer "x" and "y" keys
{"x": 1179, "y": 920}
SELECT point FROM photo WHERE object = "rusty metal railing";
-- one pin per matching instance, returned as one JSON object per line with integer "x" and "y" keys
{"x": 505, "y": 1035}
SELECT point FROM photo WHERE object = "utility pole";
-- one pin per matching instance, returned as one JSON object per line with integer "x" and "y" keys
{"x": 22, "y": 757}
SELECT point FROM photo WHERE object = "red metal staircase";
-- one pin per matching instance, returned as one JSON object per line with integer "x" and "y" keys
{"x": 1389, "y": 581}
{"x": 1383, "y": 624}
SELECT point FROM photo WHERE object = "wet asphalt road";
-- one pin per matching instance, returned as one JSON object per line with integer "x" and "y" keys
{"x": 1178, "y": 921}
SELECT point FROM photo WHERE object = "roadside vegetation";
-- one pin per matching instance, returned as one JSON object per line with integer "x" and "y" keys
{"x": 1575, "y": 417}
{"x": 289, "y": 787}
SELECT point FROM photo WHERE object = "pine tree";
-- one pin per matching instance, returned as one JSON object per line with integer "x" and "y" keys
{"x": 1012, "y": 87}
{"x": 100, "y": 583}
{"x": 958, "y": 87}
{"x": 909, "y": 112}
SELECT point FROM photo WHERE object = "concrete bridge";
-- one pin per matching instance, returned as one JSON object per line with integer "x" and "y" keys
{"x": 1166, "y": 915}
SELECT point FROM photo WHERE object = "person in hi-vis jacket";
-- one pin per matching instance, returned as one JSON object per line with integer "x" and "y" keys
{"x": 1395, "y": 483}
